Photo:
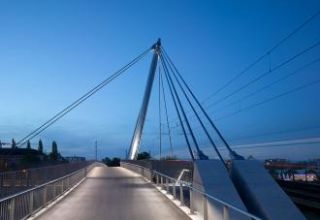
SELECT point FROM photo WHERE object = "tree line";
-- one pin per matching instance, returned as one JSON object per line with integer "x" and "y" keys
{"x": 53, "y": 155}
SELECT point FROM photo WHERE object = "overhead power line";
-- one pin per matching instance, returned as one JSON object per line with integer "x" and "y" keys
{"x": 266, "y": 54}
{"x": 285, "y": 77}
{"x": 270, "y": 99}
{"x": 313, "y": 140}
{"x": 296, "y": 89}
{"x": 277, "y": 132}
{"x": 261, "y": 76}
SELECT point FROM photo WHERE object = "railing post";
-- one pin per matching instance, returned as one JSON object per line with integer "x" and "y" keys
{"x": 20, "y": 178}
{"x": 181, "y": 195}
{"x": 62, "y": 186}
{"x": 31, "y": 202}
{"x": 225, "y": 212}
{"x": 45, "y": 195}
{"x": 12, "y": 208}
{"x": 67, "y": 183}
{"x": 167, "y": 185}
{"x": 28, "y": 178}
{"x": 205, "y": 208}
{"x": 157, "y": 179}
{"x": 174, "y": 190}
{"x": 54, "y": 190}
{"x": 161, "y": 178}
{"x": 1, "y": 180}
{"x": 191, "y": 199}
{"x": 31, "y": 175}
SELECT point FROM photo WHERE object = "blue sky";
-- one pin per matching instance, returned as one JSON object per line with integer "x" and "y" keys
{"x": 51, "y": 52}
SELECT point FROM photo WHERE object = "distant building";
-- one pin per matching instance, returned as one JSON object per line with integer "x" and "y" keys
{"x": 294, "y": 171}
{"x": 75, "y": 159}
{"x": 284, "y": 164}
{"x": 297, "y": 175}
{"x": 317, "y": 166}
{"x": 309, "y": 177}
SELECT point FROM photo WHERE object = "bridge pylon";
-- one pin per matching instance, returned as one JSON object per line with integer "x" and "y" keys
{"x": 136, "y": 139}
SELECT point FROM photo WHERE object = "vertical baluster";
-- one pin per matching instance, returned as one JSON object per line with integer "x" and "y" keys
{"x": 191, "y": 201}
{"x": 205, "y": 208}
{"x": 62, "y": 185}
{"x": 174, "y": 189}
{"x": 161, "y": 182}
{"x": 31, "y": 202}
{"x": 225, "y": 213}
{"x": 27, "y": 177}
{"x": 157, "y": 179}
{"x": 167, "y": 185}
{"x": 68, "y": 182}
{"x": 12, "y": 209}
{"x": 53, "y": 190}
{"x": 45, "y": 195}
{"x": 181, "y": 194}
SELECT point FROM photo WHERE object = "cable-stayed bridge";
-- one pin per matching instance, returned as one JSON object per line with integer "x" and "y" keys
{"x": 213, "y": 188}
{"x": 200, "y": 188}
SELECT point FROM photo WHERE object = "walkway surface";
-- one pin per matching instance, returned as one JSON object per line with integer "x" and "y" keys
{"x": 114, "y": 193}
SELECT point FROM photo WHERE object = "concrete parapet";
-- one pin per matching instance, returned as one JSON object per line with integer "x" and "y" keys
{"x": 261, "y": 194}
{"x": 211, "y": 177}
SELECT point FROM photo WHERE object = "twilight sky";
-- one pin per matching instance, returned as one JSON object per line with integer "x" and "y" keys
{"x": 52, "y": 52}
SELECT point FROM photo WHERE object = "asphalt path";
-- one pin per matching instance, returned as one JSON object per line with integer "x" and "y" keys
{"x": 113, "y": 193}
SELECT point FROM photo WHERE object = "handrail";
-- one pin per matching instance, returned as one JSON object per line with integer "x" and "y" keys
{"x": 189, "y": 185}
{"x": 23, "y": 204}
{"x": 42, "y": 185}
{"x": 16, "y": 181}
{"x": 173, "y": 179}
{"x": 39, "y": 168}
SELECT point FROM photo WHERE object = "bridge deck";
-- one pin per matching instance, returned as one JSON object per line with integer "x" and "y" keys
{"x": 114, "y": 193}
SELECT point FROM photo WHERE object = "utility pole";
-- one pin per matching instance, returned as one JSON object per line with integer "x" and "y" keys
{"x": 96, "y": 150}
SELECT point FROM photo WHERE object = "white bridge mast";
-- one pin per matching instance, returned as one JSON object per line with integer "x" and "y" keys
{"x": 135, "y": 142}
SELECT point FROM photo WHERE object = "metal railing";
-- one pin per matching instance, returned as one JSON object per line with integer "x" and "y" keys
{"x": 145, "y": 172}
{"x": 177, "y": 187}
{"x": 24, "y": 204}
{"x": 12, "y": 182}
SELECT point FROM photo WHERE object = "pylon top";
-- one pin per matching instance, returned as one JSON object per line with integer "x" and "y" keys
{"x": 157, "y": 45}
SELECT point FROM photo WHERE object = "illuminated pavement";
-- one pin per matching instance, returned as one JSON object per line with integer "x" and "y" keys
{"x": 114, "y": 193}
